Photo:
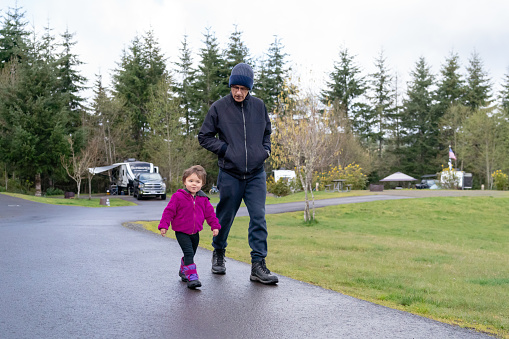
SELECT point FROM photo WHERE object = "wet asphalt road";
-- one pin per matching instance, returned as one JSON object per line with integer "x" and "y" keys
{"x": 71, "y": 272}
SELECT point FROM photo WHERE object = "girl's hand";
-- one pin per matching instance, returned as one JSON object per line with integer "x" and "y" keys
{"x": 163, "y": 231}
{"x": 215, "y": 232}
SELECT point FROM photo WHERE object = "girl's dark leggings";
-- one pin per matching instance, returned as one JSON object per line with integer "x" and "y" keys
{"x": 189, "y": 244}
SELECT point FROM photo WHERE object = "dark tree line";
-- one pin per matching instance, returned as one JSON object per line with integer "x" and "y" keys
{"x": 412, "y": 131}
{"x": 151, "y": 111}
{"x": 154, "y": 107}
{"x": 39, "y": 100}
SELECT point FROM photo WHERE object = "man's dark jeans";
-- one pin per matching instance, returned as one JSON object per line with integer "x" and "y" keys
{"x": 231, "y": 193}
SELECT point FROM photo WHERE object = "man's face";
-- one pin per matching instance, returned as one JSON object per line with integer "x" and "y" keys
{"x": 239, "y": 92}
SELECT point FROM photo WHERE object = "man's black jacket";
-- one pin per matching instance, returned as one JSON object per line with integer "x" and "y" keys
{"x": 244, "y": 135}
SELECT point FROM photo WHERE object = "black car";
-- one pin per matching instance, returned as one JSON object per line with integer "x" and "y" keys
{"x": 149, "y": 185}
{"x": 427, "y": 182}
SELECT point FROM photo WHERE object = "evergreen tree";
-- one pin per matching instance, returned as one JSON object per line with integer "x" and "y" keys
{"x": 382, "y": 103}
{"x": 504, "y": 94}
{"x": 478, "y": 92}
{"x": 154, "y": 60}
{"x": 419, "y": 125}
{"x": 13, "y": 48}
{"x": 451, "y": 125}
{"x": 142, "y": 67}
{"x": 108, "y": 121}
{"x": 396, "y": 117}
{"x": 451, "y": 87}
{"x": 130, "y": 87}
{"x": 345, "y": 89}
{"x": 212, "y": 78}
{"x": 449, "y": 97}
{"x": 13, "y": 36}
{"x": 33, "y": 114}
{"x": 166, "y": 139}
{"x": 185, "y": 83}
{"x": 48, "y": 54}
{"x": 272, "y": 84}
{"x": 47, "y": 47}
{"x": 261, "y": 87}
{"x": 237, "y": 51}
{"x": 98, "y": 119}
{"x": 72, "y": 83}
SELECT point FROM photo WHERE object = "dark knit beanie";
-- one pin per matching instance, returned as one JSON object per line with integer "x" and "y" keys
{"x": 242, "y": 74}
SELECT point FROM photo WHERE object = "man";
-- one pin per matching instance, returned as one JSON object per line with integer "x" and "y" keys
{"x": 243, "y": 126}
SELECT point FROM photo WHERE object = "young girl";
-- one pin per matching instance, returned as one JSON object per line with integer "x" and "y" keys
{"x": 186, "y": 211}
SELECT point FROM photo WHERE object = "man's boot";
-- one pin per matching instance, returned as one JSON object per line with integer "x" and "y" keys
{"x": 260, "y": 272}
{"x": 218, "y": 261}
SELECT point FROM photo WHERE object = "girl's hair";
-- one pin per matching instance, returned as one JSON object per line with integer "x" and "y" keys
{"x": 198, "y": 170}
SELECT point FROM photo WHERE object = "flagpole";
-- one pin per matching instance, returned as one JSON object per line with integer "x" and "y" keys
{"x": 455, "y": 162}
{"x": 450, "y": 159}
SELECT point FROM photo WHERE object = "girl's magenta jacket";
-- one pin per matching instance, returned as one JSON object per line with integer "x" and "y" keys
{"x": 186, "y": 213}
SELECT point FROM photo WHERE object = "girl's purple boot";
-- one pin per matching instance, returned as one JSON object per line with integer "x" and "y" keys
{"x": 191, "y": 275}
{"x": 181, "y": 270}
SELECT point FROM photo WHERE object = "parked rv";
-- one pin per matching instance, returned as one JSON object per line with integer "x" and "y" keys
{"x": 122, "y": 174}
{"x": 284, "y": 174}
{"x": 456, "y": 179}
{"x": 447, "y": 180}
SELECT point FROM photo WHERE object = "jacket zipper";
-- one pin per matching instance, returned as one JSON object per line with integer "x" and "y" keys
{"x": 194, "y": 214}
{"x": 245, "y": 134}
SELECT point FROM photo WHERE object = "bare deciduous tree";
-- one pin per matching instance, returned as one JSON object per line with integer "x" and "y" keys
{"x": 484, "y": 142}
{"x": 77, "y": 165}
{"x": 302, "y": 138}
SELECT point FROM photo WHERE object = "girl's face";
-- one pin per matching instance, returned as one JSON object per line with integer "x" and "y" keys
{"x": 193, "y": 183}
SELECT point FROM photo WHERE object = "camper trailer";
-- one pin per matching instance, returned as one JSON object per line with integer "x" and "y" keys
{"x": 122, "y": 175}
{"x": 287, "y": 175}
{"x": 456, "y": 179}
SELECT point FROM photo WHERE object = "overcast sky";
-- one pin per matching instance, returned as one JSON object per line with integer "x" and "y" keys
{"x": 312, "y": 32}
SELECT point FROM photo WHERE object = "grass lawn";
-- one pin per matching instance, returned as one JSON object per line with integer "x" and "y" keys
{"x": 299, "y": 196}
{"x": 214, "y": 198}
{"x": 444, "y": 258}
{"x": 83, "y": 201}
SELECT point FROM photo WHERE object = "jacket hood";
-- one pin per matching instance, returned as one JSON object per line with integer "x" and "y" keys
{"x": 200, "y": 193}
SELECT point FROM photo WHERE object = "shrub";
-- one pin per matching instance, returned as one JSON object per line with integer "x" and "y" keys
{"x": 448, "y": 179}
{"x": 17, "y": 185}
{"x": 280, "y": 188}
{"x": 325, "y": 178}
{"x": 295, "y": 185}
{"x": 354, "y": 176}
{"x": 54, "y": 191}
{"x": 351, "y": 173}
{"x": 500, "y": 180}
